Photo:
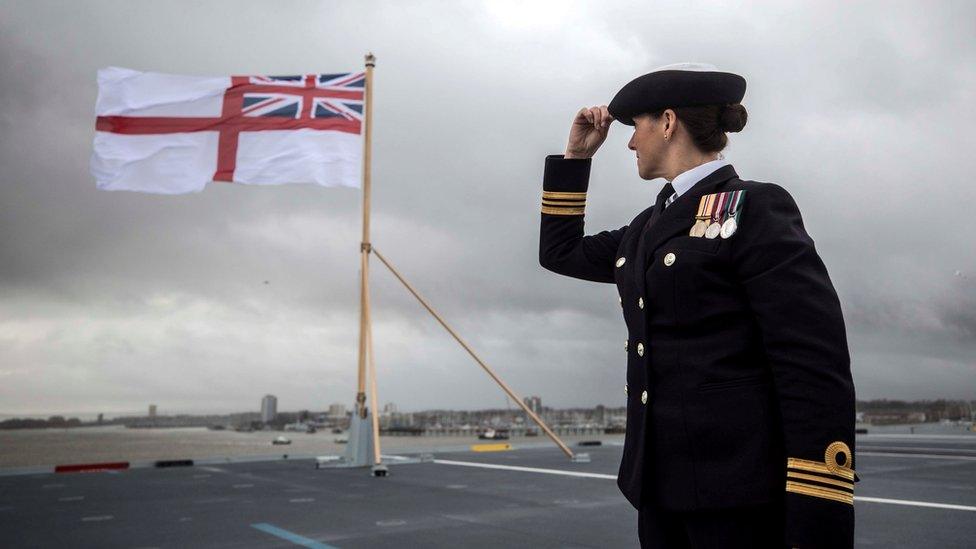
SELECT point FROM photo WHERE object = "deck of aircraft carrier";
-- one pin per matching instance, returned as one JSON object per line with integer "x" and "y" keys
{"x": 916, "y": 491}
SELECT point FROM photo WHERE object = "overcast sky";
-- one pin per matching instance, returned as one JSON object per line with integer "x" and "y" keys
{"x": 110, "y": 301}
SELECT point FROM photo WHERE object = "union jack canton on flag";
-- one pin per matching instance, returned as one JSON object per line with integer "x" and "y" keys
{"x": 171, "y": 134}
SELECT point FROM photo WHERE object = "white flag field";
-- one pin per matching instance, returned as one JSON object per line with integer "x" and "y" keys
{"x": 172, "y": 134}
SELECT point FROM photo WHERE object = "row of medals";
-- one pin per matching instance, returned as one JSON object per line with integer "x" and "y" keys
{"x": 715, "y": 229}
{"x": 712, "y": 230}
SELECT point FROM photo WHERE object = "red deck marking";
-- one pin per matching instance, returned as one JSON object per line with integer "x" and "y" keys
{"x": 84, "y": 467}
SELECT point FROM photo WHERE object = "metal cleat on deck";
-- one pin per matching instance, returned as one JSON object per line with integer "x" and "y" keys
{"x": 581, "y": 457}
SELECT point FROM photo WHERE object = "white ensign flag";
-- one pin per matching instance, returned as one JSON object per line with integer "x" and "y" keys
{"x": 171, "y": 134}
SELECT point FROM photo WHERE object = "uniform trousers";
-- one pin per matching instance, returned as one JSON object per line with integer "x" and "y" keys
{"x": 748, "y": 527}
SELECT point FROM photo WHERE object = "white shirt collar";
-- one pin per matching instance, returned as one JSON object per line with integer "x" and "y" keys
{"x": 687, "y": 179}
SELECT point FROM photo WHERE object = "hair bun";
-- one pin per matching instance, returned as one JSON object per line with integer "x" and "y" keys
{"x": 732, "y": 117}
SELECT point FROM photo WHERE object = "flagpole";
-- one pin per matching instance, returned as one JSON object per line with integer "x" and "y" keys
{"x": 365, "y": 320}
{"x": 366, "y": 355}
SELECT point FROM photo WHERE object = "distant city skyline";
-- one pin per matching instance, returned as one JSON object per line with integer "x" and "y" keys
{"x": 327, "y": 408}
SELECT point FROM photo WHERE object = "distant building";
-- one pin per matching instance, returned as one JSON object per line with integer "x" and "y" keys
{"x": 152, "y": 411}
{"x": 389, "y": 408}
{"x": 534, "y": 403}
{"x": 269, "y": 408}
{"x": 893, "y": 417}
{"x": 100, "y": 418}
{"x": 337, "y": 410}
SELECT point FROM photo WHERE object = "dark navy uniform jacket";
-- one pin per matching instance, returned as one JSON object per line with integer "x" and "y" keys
{"x": 739, "y": 388}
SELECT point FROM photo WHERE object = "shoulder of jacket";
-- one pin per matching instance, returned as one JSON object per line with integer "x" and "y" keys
{"x": 757, "y": 186}
{"x": 764, "y": 192}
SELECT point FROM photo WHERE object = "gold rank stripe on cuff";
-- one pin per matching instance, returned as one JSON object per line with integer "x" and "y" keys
{"x": 820, "y": 467}
{"x": 563, "y": 203}
{"x": 566, "y": 195}
{"x": 562, "y": 211}
{"x": 820, "y": 492}
{"x": 577, "y": 203}
{"x": 801, "y": 477}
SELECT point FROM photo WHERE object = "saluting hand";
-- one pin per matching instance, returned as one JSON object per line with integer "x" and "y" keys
{"x": 588, "y": 132}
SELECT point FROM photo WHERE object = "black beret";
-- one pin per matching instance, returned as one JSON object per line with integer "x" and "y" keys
{"x": 678, "y": 85}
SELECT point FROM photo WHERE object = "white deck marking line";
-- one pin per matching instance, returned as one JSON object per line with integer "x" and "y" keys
{"x": 614, "y": 477}
{"x": 928, "y": 456}
{"x": 97, "y": 518}
{"x": 525, "y": 469}
{"x": 916, "y": 503}
{"x": 212, "y": 469}
{"x": 911, "y": 436}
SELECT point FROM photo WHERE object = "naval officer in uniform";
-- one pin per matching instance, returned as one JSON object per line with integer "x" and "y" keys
{"x": 740, "y": 401}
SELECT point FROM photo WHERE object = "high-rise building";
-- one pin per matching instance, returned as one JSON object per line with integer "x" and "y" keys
{"x": 534, "y": 403}
{"x": 389, "y": 408}
{"x": 152, "y": 411}
{"x": 337, "y": 410}
{"x": 269, "y": 408}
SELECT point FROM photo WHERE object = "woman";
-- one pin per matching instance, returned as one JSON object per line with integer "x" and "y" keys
{"x": 740, "y": 402}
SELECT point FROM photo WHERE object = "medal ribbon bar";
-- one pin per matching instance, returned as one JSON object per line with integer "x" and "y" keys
{"x": 698, "y": 229}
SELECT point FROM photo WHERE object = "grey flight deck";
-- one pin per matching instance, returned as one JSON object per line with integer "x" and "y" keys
{"x": 288, "y": 503}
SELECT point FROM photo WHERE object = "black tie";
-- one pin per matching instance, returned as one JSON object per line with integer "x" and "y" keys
{"x": 665, "y": 193}
{"x": 662, "y": 196}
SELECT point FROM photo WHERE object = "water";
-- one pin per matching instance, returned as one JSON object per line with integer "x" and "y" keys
{"x": 43, "y": 447}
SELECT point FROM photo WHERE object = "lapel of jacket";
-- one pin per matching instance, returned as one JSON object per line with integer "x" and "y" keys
{"x": 631, "y": 245}
{"x": 669, "y": 222}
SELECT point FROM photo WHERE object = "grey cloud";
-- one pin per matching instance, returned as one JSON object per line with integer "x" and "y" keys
{"x": 111, "y": 300}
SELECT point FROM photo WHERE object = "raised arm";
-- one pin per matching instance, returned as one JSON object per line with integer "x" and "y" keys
{"x": 563, "y": 248}
{"x": 803, "y": 333}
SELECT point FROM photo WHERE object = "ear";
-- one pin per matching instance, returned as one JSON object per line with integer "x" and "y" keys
{"x": 670, "y": 117}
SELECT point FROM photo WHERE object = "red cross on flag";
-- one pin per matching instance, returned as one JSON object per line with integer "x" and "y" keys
{"x": 171, "y": 134}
